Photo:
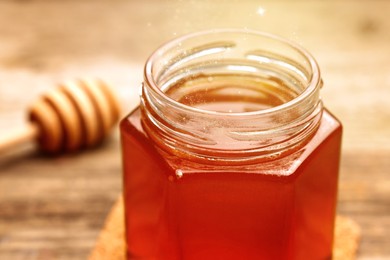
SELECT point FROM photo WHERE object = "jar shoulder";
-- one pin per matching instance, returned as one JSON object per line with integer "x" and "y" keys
{"x": 325, "y": 141}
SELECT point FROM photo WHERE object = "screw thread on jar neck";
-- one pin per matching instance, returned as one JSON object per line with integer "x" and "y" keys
{"x": 231, "y": 96}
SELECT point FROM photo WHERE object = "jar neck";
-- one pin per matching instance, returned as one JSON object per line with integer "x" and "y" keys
{"x": 221, "y": 97}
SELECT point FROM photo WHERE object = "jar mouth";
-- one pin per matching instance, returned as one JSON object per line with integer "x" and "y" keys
{"x": 186, "y": 114}
{"x": 314, "y": 81}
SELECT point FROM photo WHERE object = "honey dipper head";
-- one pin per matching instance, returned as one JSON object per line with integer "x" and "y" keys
{"x": 78, "y": 114}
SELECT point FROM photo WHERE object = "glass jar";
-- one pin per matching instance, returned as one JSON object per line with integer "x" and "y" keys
{"x": 230, "y": 154}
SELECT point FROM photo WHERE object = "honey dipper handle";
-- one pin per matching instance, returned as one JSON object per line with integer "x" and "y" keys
{"x": 18, "y": 136}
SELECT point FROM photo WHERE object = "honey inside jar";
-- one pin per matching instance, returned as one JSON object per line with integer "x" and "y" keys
{"x": 232, "y": 164}
{"x": 232, "y": 93}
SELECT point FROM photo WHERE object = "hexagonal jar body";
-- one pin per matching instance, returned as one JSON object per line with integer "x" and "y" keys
{"x": 230, "y": 154}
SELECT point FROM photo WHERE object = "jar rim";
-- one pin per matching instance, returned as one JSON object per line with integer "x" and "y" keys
{"x": 313, "y": 82}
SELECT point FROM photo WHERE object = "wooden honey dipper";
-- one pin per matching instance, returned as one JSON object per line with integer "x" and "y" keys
{"x": 79, "y": 114}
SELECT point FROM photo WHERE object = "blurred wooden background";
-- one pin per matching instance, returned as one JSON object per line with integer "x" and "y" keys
{"x": 53, "y": 208}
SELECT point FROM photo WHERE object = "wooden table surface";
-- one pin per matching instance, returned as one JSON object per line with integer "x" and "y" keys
{"x": 53, "y": 208}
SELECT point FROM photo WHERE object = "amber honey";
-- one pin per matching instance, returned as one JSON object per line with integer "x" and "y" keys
{"x": 207, "y": 177}
{"x": 231, "y": 93}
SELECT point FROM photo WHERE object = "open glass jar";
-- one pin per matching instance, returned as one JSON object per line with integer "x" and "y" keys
{"x": 231, "y": 154}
